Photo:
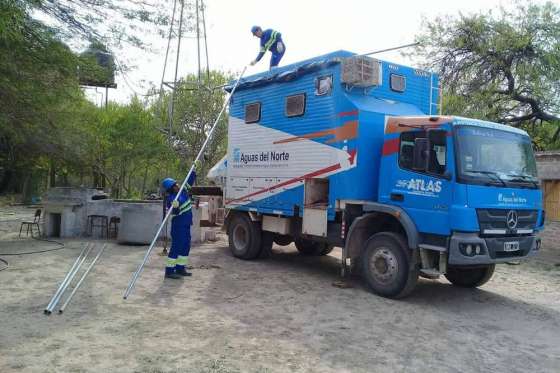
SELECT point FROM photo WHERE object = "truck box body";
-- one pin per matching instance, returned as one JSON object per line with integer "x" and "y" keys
{"x": 339, "y": 136}
{"x": 344, "y": 150}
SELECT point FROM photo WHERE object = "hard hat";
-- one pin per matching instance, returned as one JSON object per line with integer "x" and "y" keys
{"x": 254, "y": 29}
{"x": 167, "y": 183}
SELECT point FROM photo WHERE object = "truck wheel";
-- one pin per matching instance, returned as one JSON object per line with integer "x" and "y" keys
{"x": 470, "y": 277}
{"x": 283, "y": 239}
{"x": 312, "y": 248}
{"x": 244, "y": 237}
{"x": 386, "y": 265}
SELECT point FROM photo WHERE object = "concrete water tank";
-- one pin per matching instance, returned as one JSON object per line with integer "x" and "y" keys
{"x": 139, "y": 222}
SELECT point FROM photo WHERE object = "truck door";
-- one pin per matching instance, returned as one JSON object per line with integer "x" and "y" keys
{"x": 421, "y": 183}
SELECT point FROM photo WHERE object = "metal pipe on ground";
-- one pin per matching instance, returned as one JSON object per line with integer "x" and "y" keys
{"x": 48, "y": 309}
{"x": 136, "y": 274}
{"x": 82, "y": 279}
{"x": 69, "y": 279}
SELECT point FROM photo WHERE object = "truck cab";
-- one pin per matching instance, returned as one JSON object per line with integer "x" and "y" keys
{"x": 347, "y": 151}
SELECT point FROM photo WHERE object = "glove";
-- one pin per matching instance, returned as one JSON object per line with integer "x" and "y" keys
{"x": 197, "y": 165}
{"x": 253, "y": 63}
{"x": 175, "y": 204}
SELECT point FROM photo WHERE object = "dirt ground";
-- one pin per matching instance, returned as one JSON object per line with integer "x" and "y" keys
{"x": 282, "y": 314}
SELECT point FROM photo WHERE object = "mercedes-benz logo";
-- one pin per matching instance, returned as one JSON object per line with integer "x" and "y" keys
{"x": 511, "y": 219}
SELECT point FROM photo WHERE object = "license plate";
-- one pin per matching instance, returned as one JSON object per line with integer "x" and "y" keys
{"x": 511, "y": 246}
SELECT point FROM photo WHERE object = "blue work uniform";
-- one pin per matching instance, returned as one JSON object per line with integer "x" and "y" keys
{"x": 181, "y": 222}
{"x": 272, "y": 40}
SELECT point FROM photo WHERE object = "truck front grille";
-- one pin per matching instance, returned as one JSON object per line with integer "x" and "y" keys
{"x": 494, "y": 220}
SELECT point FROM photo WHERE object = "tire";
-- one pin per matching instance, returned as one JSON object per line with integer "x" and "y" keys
{"x": 470, "y": 277}
{"x": 386, "y": 265}
{"x": 244, "y": 237}
{"x": 312, "y": 248}
{"x": 283, "y": 239}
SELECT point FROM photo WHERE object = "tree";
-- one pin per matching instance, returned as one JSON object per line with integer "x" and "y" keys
{"x": 196, "y": 109}
{"x": 503, "y": 67}
{"x": 115, "y": 22}
{"x": 37, "y": 80}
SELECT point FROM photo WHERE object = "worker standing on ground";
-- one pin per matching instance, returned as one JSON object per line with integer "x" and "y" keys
{"x": 181, "y": 221}
{"x": 270, "y": 40}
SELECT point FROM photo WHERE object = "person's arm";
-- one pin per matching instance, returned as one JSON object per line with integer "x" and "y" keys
{"x": 174, "y": 204}
{"x": 265, "y": 44}
{"x": 260, "y": 55}
{"x": 191, "y": 180}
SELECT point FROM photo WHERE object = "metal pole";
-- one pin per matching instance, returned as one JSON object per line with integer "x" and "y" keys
{"x": 198, "y": 40}
{"x": 390, "y": 49}
{"x": 69, "y": 280}
{"x": 147, "y": 255}
{"x": 172, "y": 99}
{"x": 82, "y": 279}
{"x": 205, "y": 40}
{"x": 65, "y": 279}
{"x": 165, "y": 60}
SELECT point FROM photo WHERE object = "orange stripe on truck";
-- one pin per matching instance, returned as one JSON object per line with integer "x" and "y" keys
{"x": 348, "y": 131}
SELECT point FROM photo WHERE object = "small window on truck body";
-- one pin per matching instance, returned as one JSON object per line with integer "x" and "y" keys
{"x": 436, "y": 153}
{"x": 253, "y": 112}
{"x": 323, "y": 85}
{"x": 295, "y": 105}
{"x": 397, "y": 82}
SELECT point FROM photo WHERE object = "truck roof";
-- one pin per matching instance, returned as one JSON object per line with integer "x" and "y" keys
{"x": 486, "y": 124}
{"x": 296, "y": 69}
{"x": 458, "y": 121}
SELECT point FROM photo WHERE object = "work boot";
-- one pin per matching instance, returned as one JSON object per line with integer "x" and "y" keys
{"x": 183, "y": 272}
{"x": 173, "y": 275}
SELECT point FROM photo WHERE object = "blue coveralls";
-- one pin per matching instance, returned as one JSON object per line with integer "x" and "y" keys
{"x": 181, "y": 222}
{"x": 272, "y": 40}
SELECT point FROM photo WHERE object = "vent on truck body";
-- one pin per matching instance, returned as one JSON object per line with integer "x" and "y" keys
{"x": 361, "y": 71}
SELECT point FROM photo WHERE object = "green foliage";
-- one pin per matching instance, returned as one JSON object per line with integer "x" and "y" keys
{"x": 37, "y": 80}
{"x": 122, "y": 145}
{"x": 51, "y": 135}
{"x": 503, "y": 67}
{"x": 195, "y": 111}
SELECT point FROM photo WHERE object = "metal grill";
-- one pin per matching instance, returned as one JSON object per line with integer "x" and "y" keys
{"x": 361, "y": 71}
{"x": 496, "y": 219}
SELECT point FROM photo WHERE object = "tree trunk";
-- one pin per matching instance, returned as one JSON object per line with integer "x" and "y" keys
{"x": 52, "y": 175}
{"x": 144, "y": 180}
{"x": 25, "y": 192}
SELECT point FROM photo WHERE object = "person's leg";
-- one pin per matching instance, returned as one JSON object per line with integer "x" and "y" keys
{"x": 176, "y": 243}
{"x": 276, "y": 57}
{"x": 182, "y": 259}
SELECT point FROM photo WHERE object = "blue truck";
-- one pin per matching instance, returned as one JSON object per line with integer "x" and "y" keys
{"x": 347, "y": 151}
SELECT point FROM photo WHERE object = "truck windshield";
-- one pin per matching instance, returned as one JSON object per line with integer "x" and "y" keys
{"x": 490, "y": 156}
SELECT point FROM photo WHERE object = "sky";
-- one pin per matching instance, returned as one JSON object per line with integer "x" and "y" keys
{"x": 309, "y": 28}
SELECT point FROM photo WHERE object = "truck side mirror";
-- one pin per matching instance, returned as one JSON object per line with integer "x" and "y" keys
{"x": 420, "y": 156}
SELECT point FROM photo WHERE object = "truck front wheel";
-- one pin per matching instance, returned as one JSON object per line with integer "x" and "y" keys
{"x": 312, "y": 248}
{"x": 386, "y": 265}
{"x": 244, "y": 237}
{"x": 470, "y": 277}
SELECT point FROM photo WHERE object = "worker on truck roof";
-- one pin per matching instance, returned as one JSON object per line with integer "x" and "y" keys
{"x": 270, "y": 40}
{"x": 181, "y": 221}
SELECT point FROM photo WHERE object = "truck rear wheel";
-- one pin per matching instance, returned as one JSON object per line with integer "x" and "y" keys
{"x": 312, "y": 248}
{"x": 386, "y": 265}
{"x": 470, "y": 277}
{"x": 244, "y": 237}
